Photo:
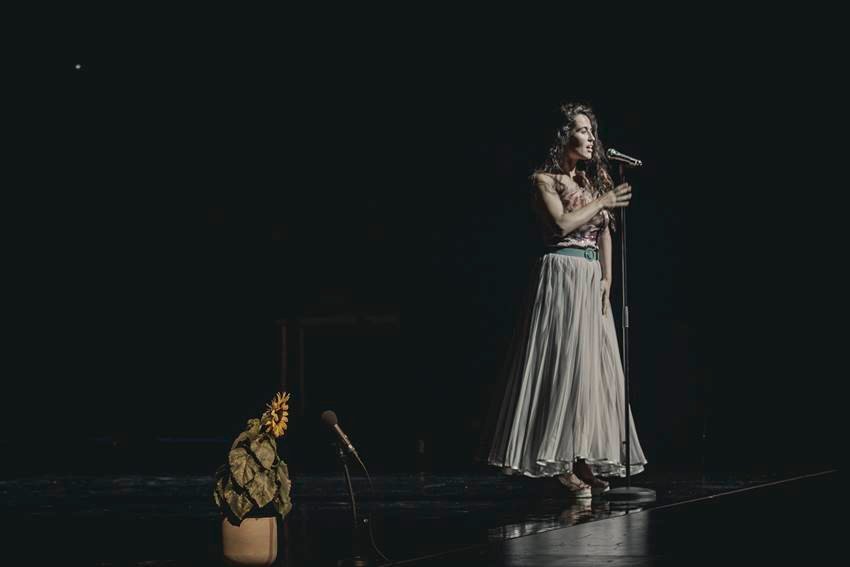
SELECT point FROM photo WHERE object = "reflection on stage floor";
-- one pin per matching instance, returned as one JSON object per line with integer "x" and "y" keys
{"x": 171, "y": 520}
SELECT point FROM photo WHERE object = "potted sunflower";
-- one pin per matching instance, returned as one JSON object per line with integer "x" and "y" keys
{"x": 252, "y": 488}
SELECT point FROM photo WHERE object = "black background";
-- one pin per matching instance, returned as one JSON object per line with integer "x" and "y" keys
{"x": 203, "y": 176}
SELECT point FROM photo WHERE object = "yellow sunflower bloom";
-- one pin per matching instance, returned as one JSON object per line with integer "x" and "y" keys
{"x": 276, "y": 418}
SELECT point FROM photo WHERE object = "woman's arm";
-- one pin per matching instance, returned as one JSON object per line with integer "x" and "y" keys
{"x": 605, "y": 254}
{"x": 605, "y": 263}
{"x": 563, "y": 222}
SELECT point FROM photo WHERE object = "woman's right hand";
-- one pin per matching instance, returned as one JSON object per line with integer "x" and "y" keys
{"x": 617, "y": 197}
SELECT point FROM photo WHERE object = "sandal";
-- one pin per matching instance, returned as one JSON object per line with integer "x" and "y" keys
{"x": 577, "y": 487}
{"x": 598, "y": 486}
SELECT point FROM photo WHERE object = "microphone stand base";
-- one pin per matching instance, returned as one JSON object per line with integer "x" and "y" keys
{"x": 355, "y": 561}
{"x": 630, "y": 494}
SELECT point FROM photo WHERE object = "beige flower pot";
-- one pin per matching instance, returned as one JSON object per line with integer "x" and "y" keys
{"x": 253, "y": 542}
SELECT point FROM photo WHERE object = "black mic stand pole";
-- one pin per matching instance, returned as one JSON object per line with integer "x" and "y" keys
{"x": 627, "y": 494}
{"x": 356, "y": 559}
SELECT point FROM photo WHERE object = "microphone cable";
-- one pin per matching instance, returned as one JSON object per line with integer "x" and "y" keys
{"x": 368, "y": 519}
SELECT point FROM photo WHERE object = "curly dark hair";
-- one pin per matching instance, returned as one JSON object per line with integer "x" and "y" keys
{"x": 594, "y": 170}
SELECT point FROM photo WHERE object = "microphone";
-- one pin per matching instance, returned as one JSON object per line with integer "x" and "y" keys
{"x": 329, "y": 419}
{"x": 628, "y": 160}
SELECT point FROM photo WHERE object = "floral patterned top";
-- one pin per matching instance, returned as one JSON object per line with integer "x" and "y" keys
{"x": 575, "y": 196}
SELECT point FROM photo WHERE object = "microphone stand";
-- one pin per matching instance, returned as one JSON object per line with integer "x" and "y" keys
{"x": 628, "y": 493}
{"x": 356, "y": 559}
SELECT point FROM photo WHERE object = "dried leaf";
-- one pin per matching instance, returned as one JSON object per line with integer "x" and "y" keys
{"x": 283, "y": 502}
{"x": 240, "y": 504}
{"x": 264, "y": 450}
{"x": 242, "y": 466}
{"x": 262, "y": 488}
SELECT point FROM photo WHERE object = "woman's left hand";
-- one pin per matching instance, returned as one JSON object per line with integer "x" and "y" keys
{"x": 606, "y": 290}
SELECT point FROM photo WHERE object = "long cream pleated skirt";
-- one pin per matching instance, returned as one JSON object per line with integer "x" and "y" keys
{"x": 563, "y": 396}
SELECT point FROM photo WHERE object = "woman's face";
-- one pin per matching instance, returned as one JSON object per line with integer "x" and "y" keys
{"x": 581, "y": 141}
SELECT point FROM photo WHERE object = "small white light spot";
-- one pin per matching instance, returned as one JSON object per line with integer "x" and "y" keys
{"x": 78, "y": 66}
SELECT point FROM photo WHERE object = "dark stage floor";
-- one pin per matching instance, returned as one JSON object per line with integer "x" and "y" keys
{"x": 434, "y": 519}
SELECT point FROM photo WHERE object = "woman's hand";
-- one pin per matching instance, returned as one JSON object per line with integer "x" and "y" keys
{"x": 617, "y": 197}
{"x": 606, "y": 294}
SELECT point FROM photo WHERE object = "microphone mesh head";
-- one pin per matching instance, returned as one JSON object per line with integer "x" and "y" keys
{"x": 329, "y": 418}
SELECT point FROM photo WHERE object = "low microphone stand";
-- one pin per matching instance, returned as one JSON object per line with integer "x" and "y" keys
{"x": 627, "y": 494}
{"x": 356, "y": 559}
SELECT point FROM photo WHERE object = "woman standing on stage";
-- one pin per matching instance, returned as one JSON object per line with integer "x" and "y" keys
{"x": 561, "y": 414}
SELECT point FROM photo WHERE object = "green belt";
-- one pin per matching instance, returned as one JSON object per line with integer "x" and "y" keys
{"x": 590, "y": 253}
